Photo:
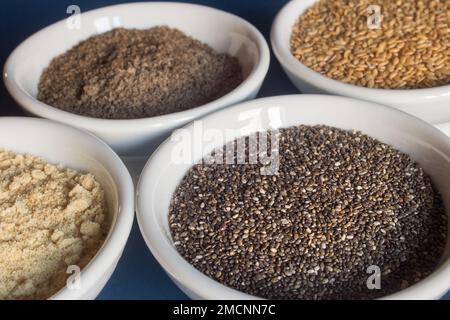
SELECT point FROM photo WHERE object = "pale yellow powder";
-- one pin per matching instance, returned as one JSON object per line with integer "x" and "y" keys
{"x": 51, "y": 217}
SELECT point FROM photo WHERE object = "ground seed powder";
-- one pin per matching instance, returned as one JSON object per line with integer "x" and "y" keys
{"x": 342, "y": 202}
{"x": 130, "y": 73}
{"x": 51, "y": 217}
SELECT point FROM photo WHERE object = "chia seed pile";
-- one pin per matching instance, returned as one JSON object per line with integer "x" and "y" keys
{"x": 130, "y": 73}
{"x": 341, "y": 202}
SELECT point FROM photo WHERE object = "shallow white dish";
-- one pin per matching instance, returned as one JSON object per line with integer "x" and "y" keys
{"x": 163, "y": 173}
{"x": 432, "y": 105}
{"x": 222, "y": 31}
{"x": 61, "y": 144}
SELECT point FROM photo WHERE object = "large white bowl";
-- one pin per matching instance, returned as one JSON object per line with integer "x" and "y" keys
{"x": 163, "y": 172}
{"x": 60, "y": 144}
{"x": 223, "y": 31}
{"x": 432, "y": 105}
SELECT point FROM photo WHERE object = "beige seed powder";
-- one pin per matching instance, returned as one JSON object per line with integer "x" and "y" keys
{"x": 51, "y": 217}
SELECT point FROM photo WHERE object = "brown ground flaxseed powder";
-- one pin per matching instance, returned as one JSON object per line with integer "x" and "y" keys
{"x": 130, "y": 73}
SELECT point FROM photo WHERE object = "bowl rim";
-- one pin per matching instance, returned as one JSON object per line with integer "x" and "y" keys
{"x": 34, "y": 106}
{"x": 118, "y": 233}
{"x": 184, "y": 273}
{"x": 283, "y": 53}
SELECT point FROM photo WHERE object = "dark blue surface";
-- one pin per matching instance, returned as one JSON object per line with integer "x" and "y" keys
{"x": 138, "y": 275}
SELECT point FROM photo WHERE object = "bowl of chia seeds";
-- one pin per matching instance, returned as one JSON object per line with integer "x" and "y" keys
{"x": 301, "y": 197}
{"x": 390, "y": 52}
{"x": 132, "y": 73}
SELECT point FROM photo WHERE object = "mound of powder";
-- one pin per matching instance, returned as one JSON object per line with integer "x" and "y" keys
{"x": 51, "y": 217}
{"x": 129, "y": 73}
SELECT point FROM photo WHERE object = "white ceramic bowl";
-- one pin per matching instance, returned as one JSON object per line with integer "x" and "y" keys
{"x": 60, "y": 144}
{"x": 430, "y": 104}
{"x": 222, "y": 31}
{"x": 163, "y": 172}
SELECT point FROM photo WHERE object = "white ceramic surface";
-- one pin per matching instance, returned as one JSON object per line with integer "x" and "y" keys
{"x": 432, "y": 105}
{"x": 61, "y": 144}
{"x": 224, "y": 32}
{"x": 162, "y": 174}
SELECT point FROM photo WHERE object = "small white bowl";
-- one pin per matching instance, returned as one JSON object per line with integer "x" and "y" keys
{"x": 163, "y": 172}
{"x": 223, "y": 31}
{"x": 61, "y": 144}
{"x": 432, "y": 104}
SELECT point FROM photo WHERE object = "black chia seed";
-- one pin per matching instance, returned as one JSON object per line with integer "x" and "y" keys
{"x": 341, "y": 202}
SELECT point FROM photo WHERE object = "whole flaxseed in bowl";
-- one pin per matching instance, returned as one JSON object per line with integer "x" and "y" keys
{"x": 337, "y": 47}
{"x": 357, "y": 186}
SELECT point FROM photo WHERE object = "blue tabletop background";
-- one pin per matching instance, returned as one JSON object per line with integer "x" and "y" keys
{"x": 138, "y": 275}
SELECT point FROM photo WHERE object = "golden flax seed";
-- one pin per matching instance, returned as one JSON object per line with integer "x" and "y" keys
{"x": 410, "y": 50}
